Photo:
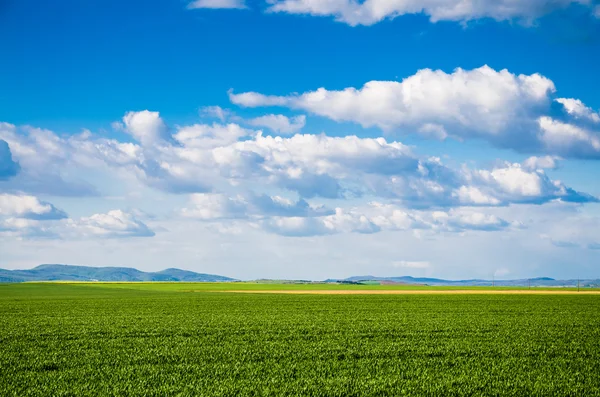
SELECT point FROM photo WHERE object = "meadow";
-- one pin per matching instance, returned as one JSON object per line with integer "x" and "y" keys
{"x": 195, "y": 339}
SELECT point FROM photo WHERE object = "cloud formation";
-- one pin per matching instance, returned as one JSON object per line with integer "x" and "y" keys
{"x": 279, "y": 123}
{"x": 43, "y": 157}
{"x": 540, "y": 163}
{"x": 211, "y": 206}
{"x": 113, "y": 224}
{"x": 146, "y": 127}
{"x": 505, "y": 109}
{"x": 28, "y": 207}
{"x": 377, "y": 217}
{"x": 369, "y": 12}
{"x": 26, "y": 217}
{"x": 205, "y": 158}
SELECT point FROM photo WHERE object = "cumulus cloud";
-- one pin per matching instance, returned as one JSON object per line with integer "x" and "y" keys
{"x": 567, "y": 139}
{"x": 49, "y": 161}
{"x": 25, "y": 221}
{"x": 217, "y": 4}
{"x": 438, "y": 186}
{"x": 28, "y": 217}
{"x": 512, "y": 183}
{"x": 368, "y": 12}
{"x": 279, "y": 123}
{"x": 146, "y": 127}
{"x": 296, "y": 227}
{"x": 578, "y": 109}
{"x": 210, "y": 136}
{"x": 203, "y": 158}
{"x": 457, "y": 220}
{"x": 377, "y": 217}
{"x": 316, "y": 165}
{"x": 22, "y": 228}
{"x": 505, "y": 109}
{"x": 28, "y": 207}
{"x": 540, "y": 163}
{"x": 210, "y": 206}
{"x": 113, "y": 224}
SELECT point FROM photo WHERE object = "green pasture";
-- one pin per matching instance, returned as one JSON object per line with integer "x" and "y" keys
{"x": 288, "y": 286}
{"x": 154, "y": 339}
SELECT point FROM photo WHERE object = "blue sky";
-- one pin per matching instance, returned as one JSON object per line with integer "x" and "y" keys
{"x": 131, "y": 137}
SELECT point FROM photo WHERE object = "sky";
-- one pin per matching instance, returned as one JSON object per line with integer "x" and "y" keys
{"x": 302, "y": 139}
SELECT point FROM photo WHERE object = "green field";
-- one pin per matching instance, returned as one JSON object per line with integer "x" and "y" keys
{"x": 159, "y": 340}
{"x": 289, "y": 286}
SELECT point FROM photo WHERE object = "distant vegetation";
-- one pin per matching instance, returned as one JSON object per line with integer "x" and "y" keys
{"x": 154, "y": 339}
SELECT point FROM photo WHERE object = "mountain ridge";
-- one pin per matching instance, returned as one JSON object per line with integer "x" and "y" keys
{"x": 61, "y": 272}
{"x": 533, "y": 282}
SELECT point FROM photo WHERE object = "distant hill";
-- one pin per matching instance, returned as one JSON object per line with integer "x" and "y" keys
{"x": 534, "y": 282}
{"x": 87, "y": 273}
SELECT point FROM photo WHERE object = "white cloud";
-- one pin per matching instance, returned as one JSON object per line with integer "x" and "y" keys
{"x": 540, "y": 163}
{"x": 578, "y": 109}
{"x": 296, "y": 226}
{"x": 378, "y": 217}
{"x": 146, "y": 127}
{"x": 25, "y": 216}
{"x": 566, "y": 139}
{"x": 482, "y": 101}
{"x": 412, "y": 264}
{"x": 504, "y": 184}
{"x": 255, "y": 99}
{"x": 459, "y": 220}
{"x": 505, "y": 109}
{"x": 215, "y": 112}
{"x": 512, "y": 183}
{"x": 340, "y": 222}
{"x": 23, "y": 228}
{"x": 368, "y": 12}
{"x": 217, "y": 4}
{"x": 29, "y": 207}
{"x": 474, "y": 196}
{"x": 280, "y": 123}
{"x": 597, "y": 11}
{"x": 204, "y": 158}
{"x": 113, "y": 224}
{"x": 210, "y": 136}
{"x": 210, "y": 206}
{"x": 320, "y": 154}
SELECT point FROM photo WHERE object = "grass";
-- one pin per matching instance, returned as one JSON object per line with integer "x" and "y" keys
{"x": 153, "y": 339}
